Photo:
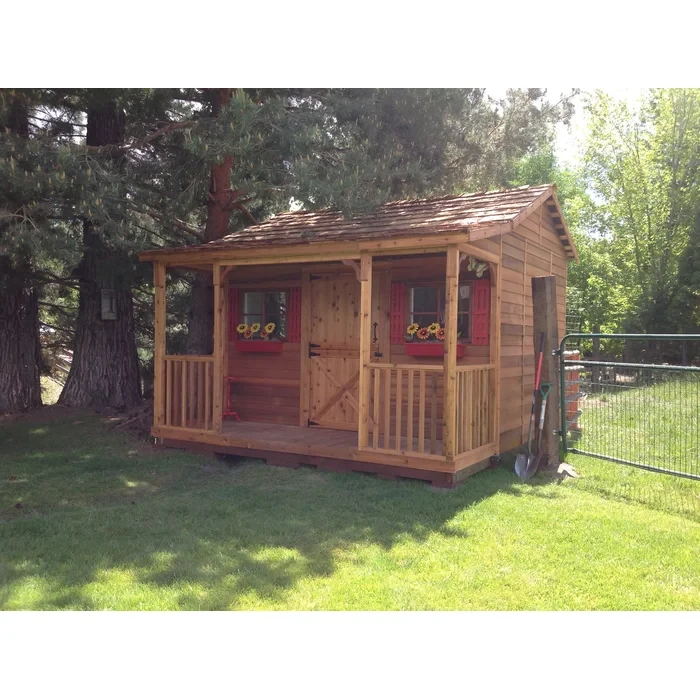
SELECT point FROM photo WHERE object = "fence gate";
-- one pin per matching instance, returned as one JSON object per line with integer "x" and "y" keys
{"x": 633, "y": 399}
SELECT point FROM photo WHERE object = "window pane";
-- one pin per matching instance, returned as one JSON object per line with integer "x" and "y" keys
{"x": 424, "y": 320}
{"x": 424, "y": 299}
{"x": 464, "y": 297}
{"x": 253, "y": 303}
{"x": 463, "y": 327}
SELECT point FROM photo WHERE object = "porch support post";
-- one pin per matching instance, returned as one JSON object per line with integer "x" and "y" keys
{"x": 159, "y": 397}
{"x": 495, "y": 353}
{"x": 365, "y": 346}
{"x": 218, "y": 383}
{"x": 449, "y": 408}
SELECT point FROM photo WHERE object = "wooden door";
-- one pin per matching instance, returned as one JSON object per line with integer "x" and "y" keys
{"x": 334, "y": 351}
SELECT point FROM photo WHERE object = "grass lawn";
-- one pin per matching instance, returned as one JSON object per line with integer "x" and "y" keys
{"x": 108, "y": 522}
{"x": 655, "y": 425}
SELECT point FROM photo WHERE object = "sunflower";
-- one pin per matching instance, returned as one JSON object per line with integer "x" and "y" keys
{"x": 423, "y": 333}
{"x": 255, "y": 327}
{"x": 270, "y": 328}
{"x": 248, "y": 333}
{"x": 440, "y": 334}
{"x": 241, "y": 328}
{"x": 433, "y": 328}
{"x": 412, "y": 329}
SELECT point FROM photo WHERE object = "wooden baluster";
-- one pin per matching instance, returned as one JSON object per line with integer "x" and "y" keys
{"x": 421, "y": 411}
{"x": 409, "y": 413}
{"x": 200, "y": 394}
{"x": 468, "y": 411}
{"x": 399, "y": 401}
{"x": 183, "y": 384}
{"x": 459, "y": 433}
{"x": 375, "y": 407}
{"x": 207, "y": 396}
{"x": 433, "y": 413}
{"x": 191, "y": 393}
{"x": 387, "y": 411}
{"x": 169, "y": 392}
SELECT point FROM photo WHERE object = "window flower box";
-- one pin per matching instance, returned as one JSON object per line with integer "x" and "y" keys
{"x": 428, "y": 349}
{"x": 266, "y": 346}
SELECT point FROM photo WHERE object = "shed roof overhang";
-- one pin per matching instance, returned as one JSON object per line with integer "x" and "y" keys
{"x": 407, "y": 227}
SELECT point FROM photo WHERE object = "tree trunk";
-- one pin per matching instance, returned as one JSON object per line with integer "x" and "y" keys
{"x": 220, "y": 204}
{"x": 105, "y": 368}
{"x": 20, "y": 348}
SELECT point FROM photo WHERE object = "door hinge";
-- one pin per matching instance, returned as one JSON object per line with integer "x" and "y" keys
{"x": 313, "y": 345}
{"x": 311, "y": 423}
{"x": 315, "y": 277}
{"x": 379, "y": 354}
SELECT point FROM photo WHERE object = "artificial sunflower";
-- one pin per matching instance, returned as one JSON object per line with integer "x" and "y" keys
{"x": 255, "y": 327}
{"x": 270, "y": 328}
{"x": 241, "y": 328}
{"x": 248, "y": 333}
{"x": 412, "y": 329}
{"x": 433, "y": 328}
{"x": 440, "y": 334}
{"x": 423, "y": 333}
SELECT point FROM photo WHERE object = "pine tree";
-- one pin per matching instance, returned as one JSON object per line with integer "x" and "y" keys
{"x": 104, "y": 370}
{"x": 20, "y": 355}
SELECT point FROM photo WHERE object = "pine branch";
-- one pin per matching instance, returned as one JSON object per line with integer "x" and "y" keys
{"x": 140, "y": 143}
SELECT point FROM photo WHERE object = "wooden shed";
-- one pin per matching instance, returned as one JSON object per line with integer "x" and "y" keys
{"x": 398, "y": 342}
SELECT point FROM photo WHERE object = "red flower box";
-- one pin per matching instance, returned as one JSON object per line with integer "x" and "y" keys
{"x": 430, "y": 349}
{"x": 259, "y": 345}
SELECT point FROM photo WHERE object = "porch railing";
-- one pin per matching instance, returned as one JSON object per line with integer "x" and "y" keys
{"x": 475, "y": 402}
{"x": 406, "y": 408}
{"x": 189, "y": 382}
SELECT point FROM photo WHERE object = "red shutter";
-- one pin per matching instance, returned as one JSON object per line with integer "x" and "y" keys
{"x": 294, "y": 316}
{"x": 232, "y": 312}
{"x": 480, "y": 312}
{"x": 398, "y": 313}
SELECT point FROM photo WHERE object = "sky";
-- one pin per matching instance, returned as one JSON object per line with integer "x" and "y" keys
{"x": 569, "y": 139}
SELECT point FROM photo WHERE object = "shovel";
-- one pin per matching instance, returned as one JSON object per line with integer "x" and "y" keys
{"x": 523, "y": 460}
{"x": 534, "y": 464}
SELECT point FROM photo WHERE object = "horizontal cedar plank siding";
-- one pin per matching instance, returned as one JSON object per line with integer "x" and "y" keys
{"x": 545, "y": 255}
{"x": 271, "y": 387}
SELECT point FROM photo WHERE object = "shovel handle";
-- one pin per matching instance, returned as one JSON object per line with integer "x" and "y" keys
{"x": 544, "y": 392}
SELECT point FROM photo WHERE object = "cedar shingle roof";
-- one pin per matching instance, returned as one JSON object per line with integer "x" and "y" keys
{"x": 468, "y": 213}
{"x": 452, "y": 213}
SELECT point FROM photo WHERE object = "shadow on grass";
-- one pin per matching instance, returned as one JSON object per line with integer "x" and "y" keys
{"x": 213, "y": 537}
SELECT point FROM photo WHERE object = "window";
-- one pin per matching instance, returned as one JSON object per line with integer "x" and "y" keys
{"x": 261, "y": 308}
{"x": 427, "y": 305}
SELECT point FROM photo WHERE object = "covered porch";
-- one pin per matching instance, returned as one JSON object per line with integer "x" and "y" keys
{"x": 363, "y": 403}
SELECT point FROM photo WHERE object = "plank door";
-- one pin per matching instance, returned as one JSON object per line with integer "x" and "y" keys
{"x": 334, "y": 352}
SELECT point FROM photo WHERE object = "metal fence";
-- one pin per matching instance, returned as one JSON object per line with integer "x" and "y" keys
{"x": 642, "y": 414}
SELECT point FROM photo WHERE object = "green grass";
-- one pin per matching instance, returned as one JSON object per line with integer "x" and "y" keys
{"x": 656, "y": 425}
{"x": 111, "y": 523}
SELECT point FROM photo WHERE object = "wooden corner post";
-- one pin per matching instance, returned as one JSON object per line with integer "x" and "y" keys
{"x": 159, "y": 397}
{"x": 544, "y": 305}
{"x": 219, "y": 326}
{"x": 449, "y": 409}
{"x": 365, "y": 346}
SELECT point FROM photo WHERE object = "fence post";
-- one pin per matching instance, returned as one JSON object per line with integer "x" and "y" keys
{"x": 544, "y": 304}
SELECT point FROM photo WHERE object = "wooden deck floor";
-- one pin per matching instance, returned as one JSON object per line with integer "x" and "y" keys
{"x": 279, "y": 437}
{"x": 335, "y": 450}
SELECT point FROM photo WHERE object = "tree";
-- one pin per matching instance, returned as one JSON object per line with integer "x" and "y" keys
{"x": 642, "y": 165}
{"x": 349, "y": 149}
{"x": 20, "y": 355}
{"x": 104, "y": 370}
